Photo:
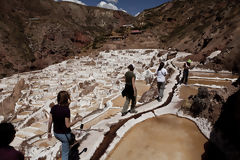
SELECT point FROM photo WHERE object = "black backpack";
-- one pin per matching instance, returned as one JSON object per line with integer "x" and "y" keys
{"x": 74, "y": 152}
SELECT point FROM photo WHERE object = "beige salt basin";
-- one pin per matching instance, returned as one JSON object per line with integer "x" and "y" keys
{"x": 214, "y": 75}
{"x": 164, "y": 138}
{"x": 209, "y": 82}
{"x": 218, "y": 82}
{"x": 105, "y": 115}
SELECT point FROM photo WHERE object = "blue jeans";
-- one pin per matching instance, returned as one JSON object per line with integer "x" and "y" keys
{"x": 65, "y": 144}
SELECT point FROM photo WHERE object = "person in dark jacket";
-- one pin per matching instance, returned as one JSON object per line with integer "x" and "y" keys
{"x": 186, "y": 67}
{"x": 129, "y": 91}
{"x": 60, "y": 117}
{"x": 7, "y": 134}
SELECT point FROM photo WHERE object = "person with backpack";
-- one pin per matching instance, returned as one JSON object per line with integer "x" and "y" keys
{"x": 186, "y": 67}
{"x": 7, "y": 134}
{"x": 129, "y": 91}
{"x": 161, "y": 78}
{"x": 60, "y": 118}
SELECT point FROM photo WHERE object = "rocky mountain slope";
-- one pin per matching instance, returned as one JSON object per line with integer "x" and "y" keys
{"x": 38, "y": 33}
{"x": 35, "y": 34}
{"x": 198, "y": 27}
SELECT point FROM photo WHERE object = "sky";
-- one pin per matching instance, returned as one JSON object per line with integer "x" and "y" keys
{"x": 132, "y": 7}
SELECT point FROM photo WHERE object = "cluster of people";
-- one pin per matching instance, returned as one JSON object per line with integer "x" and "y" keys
{"x": 130, "y": 90}
{"x": 60, "y": 114}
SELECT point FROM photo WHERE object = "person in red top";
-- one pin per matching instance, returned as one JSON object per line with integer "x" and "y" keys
{"x": 7, "y": 134}
{"x": 60, "y": 117}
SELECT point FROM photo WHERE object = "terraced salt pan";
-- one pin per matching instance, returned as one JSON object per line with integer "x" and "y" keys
{"x": 110, "y": 67}
{"x": 209, "y": 82}
{"x": 202, "y": 123}
{"x": 212, "y": 75}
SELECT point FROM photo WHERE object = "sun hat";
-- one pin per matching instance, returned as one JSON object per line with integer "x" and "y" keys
{"x": 189, "y": 61}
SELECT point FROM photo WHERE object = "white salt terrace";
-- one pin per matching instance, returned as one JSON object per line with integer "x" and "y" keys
{"x": 100, "y": 81}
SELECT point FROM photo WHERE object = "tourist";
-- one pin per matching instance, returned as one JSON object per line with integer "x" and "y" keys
{"x": 7, "y": 134}
{"x": 129, "y": 91}
{"x": 60, "y": 117}
{"x": 161, "y": 74}
{"x": 186, "y": 67}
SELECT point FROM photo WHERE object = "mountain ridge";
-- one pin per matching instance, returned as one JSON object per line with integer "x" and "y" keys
{"x": 198, "y": 27}
{"x": 38, "y": 33}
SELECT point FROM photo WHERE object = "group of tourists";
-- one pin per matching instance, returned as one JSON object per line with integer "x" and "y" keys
{"x": 130, "y": 90}
{"x": 60, "y": 115}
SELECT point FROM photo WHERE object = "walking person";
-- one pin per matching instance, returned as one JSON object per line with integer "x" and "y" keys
{"x": 161, "y": 78}
{"x": 186, "y": 67}
{"x": 129, "y": 91}
{"x": 7, "y": 134}
{"x": 60, "y": 117}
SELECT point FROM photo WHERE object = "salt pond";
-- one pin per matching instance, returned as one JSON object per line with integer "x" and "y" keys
{"x": 166, "y": 137}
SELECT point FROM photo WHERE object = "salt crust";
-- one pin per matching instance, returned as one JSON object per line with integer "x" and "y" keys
{"x": 95, "y": 137}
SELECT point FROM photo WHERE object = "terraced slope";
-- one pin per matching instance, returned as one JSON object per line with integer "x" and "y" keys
{"x": 95, "y": 84}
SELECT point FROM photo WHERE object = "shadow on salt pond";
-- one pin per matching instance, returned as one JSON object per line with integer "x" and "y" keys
{"x": 166, "y": 137}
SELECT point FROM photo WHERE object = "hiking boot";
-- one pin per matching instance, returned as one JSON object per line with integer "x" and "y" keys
{"x": 124, "y": 113}
{"x": 133, "y": 111}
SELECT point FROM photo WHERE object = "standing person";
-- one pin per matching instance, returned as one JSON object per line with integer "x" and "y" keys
{"x": 7, "y": 134}
{"x": 161, "y": 74}
{"x": 186, "y": 67}
{"x": 130, "y": 91}
{"x": 60, "y": 117}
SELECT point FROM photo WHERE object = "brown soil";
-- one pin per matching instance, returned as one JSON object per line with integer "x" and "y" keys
{"x": 186, "y": 91}
{"x": 205, "y": 26}
{"x": 36, "y": 34}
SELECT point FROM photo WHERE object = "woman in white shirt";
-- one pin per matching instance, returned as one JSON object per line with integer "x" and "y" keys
{"x": 161, "y": 74}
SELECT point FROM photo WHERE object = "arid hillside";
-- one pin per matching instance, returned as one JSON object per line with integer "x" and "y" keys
{"x": 37, "y": 33}
{"x": 199, "y": 27}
